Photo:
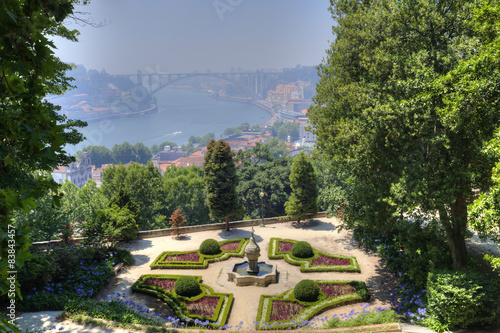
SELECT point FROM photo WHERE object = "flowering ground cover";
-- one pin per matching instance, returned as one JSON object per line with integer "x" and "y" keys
{"x": 230, "y": 246}
{"x": 285, "y": 311}
{"x": 329, "y": 261}
{"x": 204, "y": 307}
{"x": 166, "y": 284}
{"x": 209, "y": 307}
{"x": 319, "y": 262}
{"x": 194, "y": 259}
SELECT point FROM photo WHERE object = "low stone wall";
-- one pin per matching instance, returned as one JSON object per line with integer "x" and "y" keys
{"x": 190, "y": 229}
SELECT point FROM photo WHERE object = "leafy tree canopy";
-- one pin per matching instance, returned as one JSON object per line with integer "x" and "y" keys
{"x": 408, "y": 96}
{"x": 32, "y": 134}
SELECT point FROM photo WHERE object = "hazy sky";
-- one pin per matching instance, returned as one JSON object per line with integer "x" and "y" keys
{"x": 187, "y": 35}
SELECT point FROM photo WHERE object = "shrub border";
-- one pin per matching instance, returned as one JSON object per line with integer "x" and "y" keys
{"x": 306, "y": 263}
{"x": 312, "y": 308}
{"x": 204, "y": 260}
{"x": 176, "y": 302}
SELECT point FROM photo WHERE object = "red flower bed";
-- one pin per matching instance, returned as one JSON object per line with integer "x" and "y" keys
{"x": 183, "y": 257}
{"x": 285, "y": 247}
{"x": 204, "y": 307}
{"x": 167, "y": 284}
{"x": 230, "y": 246}
{"x": 332, "y": 290}
{"x": 284, "y": 310}
{"x": 329, "y": 261}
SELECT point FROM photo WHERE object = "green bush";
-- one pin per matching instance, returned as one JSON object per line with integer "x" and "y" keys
{"x": 307, "y": 291}
{"x": 187, "y": 286}
{"x": 210, "y": 247}
{"x": 60, "y": 274}
{"x": 302, "y": 250}
{"x": 462, "y": 298}
{"x": 36, "y": 273}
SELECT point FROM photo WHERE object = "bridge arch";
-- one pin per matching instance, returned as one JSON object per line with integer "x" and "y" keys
{"x": 180, "y": 77}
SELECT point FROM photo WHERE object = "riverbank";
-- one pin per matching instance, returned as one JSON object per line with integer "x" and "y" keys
{"x": 152, "y": 109}
{"x": 260, "y": 103}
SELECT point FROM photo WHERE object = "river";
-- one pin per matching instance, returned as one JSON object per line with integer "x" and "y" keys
{"x": 181, "y": 114}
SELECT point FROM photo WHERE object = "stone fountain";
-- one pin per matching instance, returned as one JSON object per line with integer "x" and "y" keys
{"x": 251, "y": 271}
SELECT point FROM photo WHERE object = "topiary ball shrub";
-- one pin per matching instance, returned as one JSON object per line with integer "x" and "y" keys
{"x": 187, "y": 286}
{"x": 210, "y": 247}
{"x": 302, "y": 250}
{"x": 307, "y": 291}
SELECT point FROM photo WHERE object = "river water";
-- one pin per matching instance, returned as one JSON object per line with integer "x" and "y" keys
{"x": 181, "y": 114}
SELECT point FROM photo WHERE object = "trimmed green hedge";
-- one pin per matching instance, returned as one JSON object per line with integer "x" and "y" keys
{"x": 176, "y": 302}
{"x": 306, "y": 263}
{"x": 311, "y": 309}
{"x": 204, "y": 259}
{"x": 306, "y": 290}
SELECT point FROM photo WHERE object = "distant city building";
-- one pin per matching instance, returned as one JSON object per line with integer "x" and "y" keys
{"x": 77, "y": 173}
{"x": 274, "y": 97}
{"x": 291, "y": 90}
{"x": 307, "y": 138}
{"x": 171, "y": 154}
{"x": 289, "y": 115}
{"x": 298, "y": 105}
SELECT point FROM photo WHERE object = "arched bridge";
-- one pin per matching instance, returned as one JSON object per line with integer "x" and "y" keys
{"x": 255, "y": 83}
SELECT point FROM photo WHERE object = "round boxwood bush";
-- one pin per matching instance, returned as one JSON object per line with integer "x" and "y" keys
{"x": 210, "y": 246}
{"x": 302, "y": 250}
{"x": 307, "y": 291}
{"x": 187, "y": 286}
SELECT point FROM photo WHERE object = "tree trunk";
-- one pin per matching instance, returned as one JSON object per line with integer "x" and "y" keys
{"x": 227, "y": 223}
{"x": 456, "y": 234}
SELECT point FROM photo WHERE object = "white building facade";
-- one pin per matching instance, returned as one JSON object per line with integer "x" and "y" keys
{"x": 77, "y": 173}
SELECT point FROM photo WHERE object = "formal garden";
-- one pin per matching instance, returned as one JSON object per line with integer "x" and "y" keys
{"x": 197, "y": 303}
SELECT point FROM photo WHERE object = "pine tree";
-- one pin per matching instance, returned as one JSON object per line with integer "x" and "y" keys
{"x": 303, "y": 181}
{"x": 221, "y": 181}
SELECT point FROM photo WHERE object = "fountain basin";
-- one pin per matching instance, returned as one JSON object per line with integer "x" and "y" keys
{"x": 266, "y": 274}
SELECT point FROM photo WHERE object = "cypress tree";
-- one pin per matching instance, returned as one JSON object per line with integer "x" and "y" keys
{"x": 303, "y": 181}
{"x": 221, "y": 181}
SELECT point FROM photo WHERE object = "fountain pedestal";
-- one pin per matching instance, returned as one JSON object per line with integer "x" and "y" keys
{"x": 252, "y": 252}
{"x": 252, "y": 272}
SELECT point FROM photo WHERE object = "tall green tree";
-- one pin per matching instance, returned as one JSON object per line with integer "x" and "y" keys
{"x": 395, "y": 111}
{"x": 145, "y": 187}
{"x": 270, "y": 178}
{"x": 32, "y": 134}
{"x": 124, "y": 153}
{"x": 185, "y": 188}
{"x": 303, "y": 203}
{"x": 221, "y": 181}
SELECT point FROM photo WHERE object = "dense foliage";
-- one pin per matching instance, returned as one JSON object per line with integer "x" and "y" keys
{"x": 283, "y": 130}
{"x": 210, "y": 247}
{"x": 306, "y": 290}
{"x": 32, "y": 134}
{"x": 407, "y": 98}
{"x": 269, "y": 176}
{"x": 55, "y": 276}
{"x": 462, "y": 299}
